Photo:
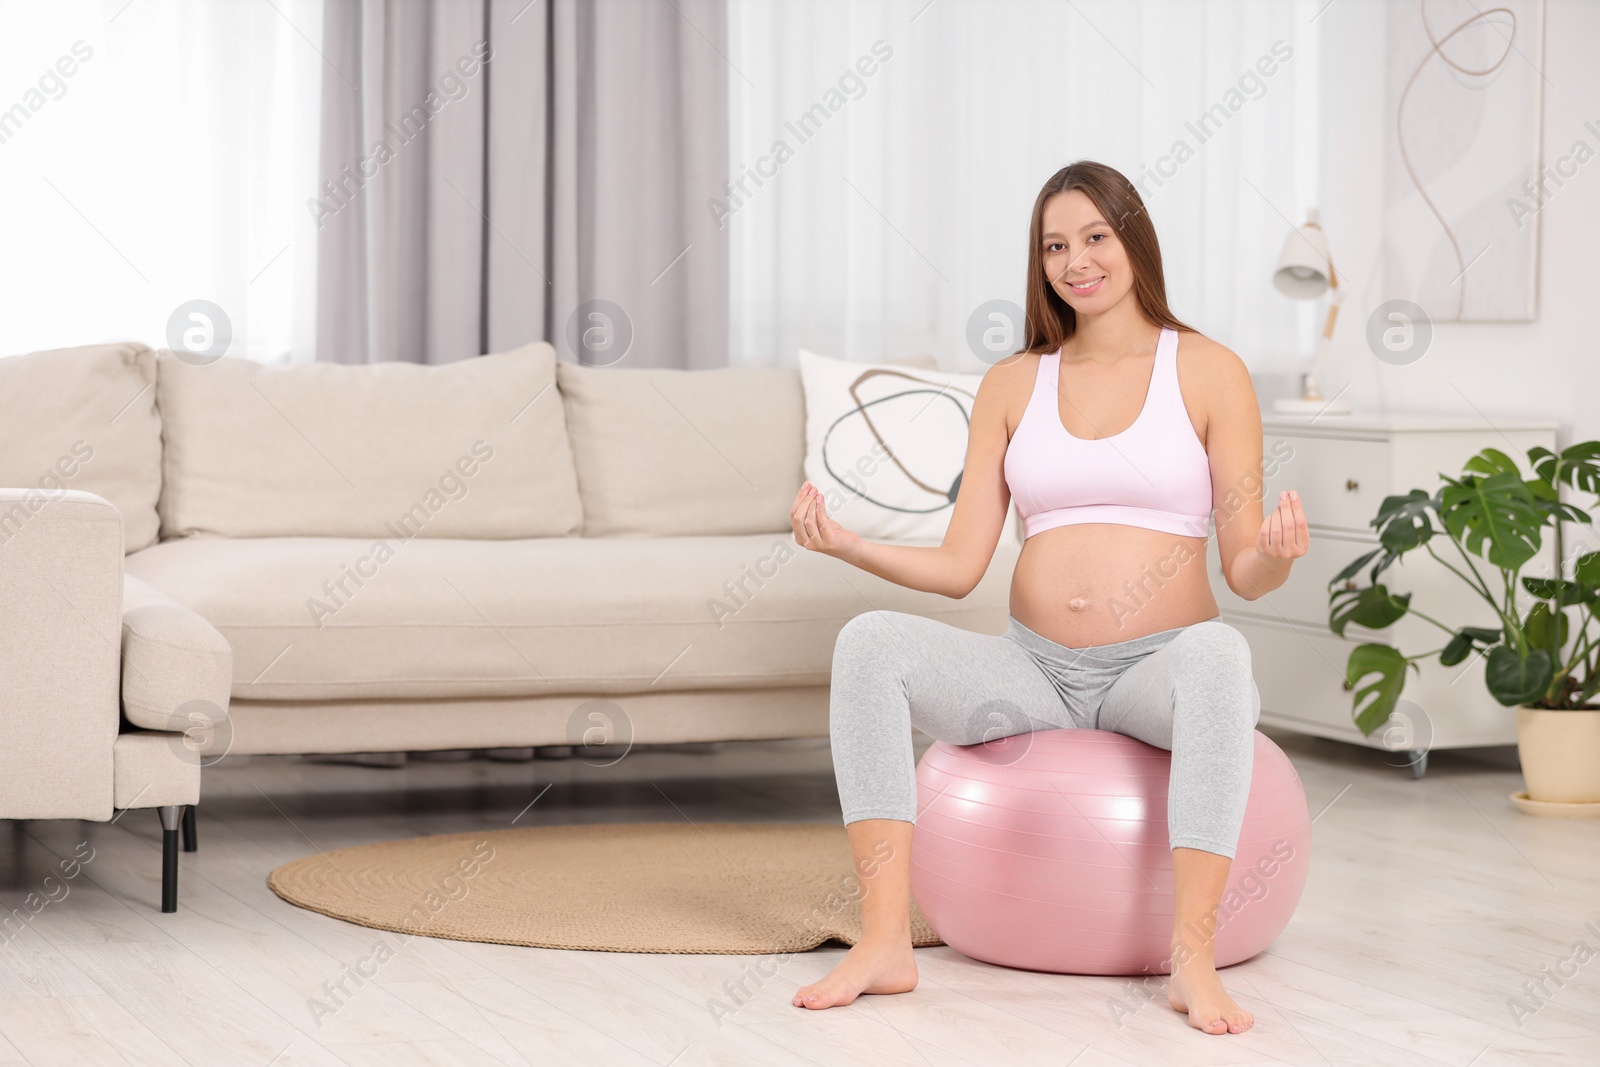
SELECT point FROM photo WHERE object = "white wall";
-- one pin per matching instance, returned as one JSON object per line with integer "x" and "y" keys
{"x": 1548, "y": 368}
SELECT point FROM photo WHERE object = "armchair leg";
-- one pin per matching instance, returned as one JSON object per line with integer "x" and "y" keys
{"x": 171, "y": 815}
{"x": 190, "y": 842}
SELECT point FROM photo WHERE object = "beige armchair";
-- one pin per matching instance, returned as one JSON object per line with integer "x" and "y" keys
{"x": 105, "y": 682}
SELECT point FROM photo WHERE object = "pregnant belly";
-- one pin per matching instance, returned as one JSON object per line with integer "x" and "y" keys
{"x": 1099, "y": 583}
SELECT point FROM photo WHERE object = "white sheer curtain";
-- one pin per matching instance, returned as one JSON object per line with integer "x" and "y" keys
{"x": 905, "y": 205}
{"x": 153, "y": 153}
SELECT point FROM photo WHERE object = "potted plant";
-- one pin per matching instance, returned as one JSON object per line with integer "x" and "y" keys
{"x": 1536, "y": 660}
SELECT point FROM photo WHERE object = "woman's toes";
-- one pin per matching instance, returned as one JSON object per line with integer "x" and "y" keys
{"x": 822, "y": 995}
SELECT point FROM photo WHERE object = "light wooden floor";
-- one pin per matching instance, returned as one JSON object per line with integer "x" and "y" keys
{"x": 1429, "y": 904}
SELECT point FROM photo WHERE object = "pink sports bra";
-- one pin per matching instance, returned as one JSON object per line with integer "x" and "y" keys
{"x": 1154, "y": 474}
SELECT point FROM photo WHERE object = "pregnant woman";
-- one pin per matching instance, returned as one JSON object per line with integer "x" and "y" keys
{"x": 1120, "y": 432}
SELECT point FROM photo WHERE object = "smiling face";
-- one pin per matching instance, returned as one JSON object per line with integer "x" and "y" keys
{"x": 1083, "y": 260}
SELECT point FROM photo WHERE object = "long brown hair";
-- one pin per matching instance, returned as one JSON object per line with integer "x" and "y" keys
{"x": 1050, "y": 319}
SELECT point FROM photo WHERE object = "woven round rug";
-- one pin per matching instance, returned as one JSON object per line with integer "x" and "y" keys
{"x": 734, "y": 888}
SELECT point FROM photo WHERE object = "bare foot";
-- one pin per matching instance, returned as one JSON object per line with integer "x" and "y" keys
{"x": 1196, "y": 989}
{"x": 884, "y": 966}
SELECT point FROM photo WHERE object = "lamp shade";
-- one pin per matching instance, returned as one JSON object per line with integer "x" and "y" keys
{"x": 1303, "y": 268}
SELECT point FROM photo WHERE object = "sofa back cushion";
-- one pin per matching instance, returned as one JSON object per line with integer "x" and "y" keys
{"x": 85, "y": 418}
{"x": 475, "y": 449}
{"x": 664, "y": 453}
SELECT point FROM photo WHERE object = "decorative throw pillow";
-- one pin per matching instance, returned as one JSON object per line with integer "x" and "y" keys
{"x": 886, "y": 443}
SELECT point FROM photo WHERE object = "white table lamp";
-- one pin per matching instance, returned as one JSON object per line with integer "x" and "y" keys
{"x": 1304, "y": 273}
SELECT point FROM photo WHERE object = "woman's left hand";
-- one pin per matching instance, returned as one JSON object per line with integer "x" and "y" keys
{"x": 1283, "y": 533}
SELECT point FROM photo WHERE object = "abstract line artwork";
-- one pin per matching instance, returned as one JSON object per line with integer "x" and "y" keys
{"x": 1464, "y": 182}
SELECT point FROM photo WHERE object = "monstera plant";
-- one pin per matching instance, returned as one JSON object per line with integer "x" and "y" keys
{"x": 1484, "y": 527}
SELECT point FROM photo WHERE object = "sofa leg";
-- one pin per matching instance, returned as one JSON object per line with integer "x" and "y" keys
{"x": 191, "y": 842}
{"x": 171, "y": 815}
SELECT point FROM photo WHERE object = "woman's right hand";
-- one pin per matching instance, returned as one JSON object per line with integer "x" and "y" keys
{"x": 815, "y": 530}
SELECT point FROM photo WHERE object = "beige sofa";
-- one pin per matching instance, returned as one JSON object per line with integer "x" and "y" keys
{"x": 507, "y": 551}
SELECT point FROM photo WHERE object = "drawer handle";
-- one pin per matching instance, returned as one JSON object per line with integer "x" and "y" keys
{"x": 1351, "y": 484}
{"x": 1349, "y": 583}
{"x": 1345, "y": 685}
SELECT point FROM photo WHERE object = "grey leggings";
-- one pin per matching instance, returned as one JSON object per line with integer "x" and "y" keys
{"x": 1188, "y": 690}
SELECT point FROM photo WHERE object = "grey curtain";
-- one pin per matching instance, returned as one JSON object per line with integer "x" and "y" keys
{"x": 495, "y": 172}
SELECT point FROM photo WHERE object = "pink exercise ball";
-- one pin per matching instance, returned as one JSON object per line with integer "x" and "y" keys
{"x": 1049, "y": 852}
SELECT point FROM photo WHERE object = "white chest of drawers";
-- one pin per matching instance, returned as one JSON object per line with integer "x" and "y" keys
{"x": 1343, "y": 467}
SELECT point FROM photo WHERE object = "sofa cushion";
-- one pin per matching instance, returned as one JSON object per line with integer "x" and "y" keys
{"x": 476, "y": 448}
{"x": 177, "y": 670}
{"x": 85, "y": 418}
{"x": 666, "y": 452}
{"x": 331, "y": 618}
{"x": 662, "y": 453}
